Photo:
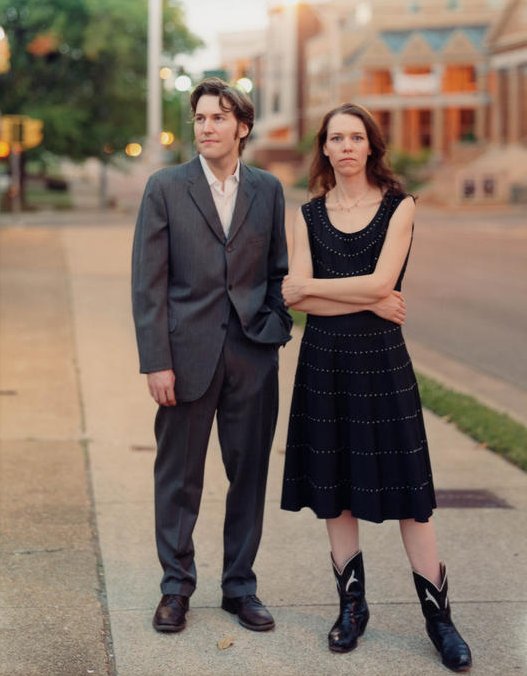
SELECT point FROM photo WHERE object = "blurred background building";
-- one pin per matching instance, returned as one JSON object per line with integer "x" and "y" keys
{"x": 445, "y": 79}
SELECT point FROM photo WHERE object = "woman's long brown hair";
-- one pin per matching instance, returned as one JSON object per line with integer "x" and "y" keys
{"x": 321, "y": 174}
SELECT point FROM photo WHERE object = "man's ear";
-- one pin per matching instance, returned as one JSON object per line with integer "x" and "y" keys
{"x": 243, "y": 130}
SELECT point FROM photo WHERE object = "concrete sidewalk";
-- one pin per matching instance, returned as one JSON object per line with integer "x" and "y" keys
{"x": 80, "y": 575}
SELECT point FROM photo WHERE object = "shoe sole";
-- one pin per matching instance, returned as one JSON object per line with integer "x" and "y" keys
{"x": 343, "y": 650}
{"x": 169, "y": 628}
{"x": 256, "y": 627}
{"x": 246, "y": 625}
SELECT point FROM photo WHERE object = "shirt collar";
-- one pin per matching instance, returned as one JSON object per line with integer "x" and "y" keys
{"x": 209, "y": 175}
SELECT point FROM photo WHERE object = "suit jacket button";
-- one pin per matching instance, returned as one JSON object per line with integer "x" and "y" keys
{"x": 224, "y": 325}
{"x": 229, "y": 248}
{"x": 229, "y": 287}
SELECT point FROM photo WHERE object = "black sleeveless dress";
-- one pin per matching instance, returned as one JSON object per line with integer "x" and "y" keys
{"x": 356, "y": 437}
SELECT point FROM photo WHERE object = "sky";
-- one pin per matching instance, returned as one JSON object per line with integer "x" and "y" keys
{"x": 207, "y": 18}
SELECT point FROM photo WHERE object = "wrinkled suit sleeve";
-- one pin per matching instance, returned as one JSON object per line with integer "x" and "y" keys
{"x": 150, "y": 270}
{"x": 277, "y": 262}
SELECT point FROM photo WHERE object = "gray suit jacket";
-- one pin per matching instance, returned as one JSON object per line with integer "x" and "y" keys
{"x": 186, "y": 274}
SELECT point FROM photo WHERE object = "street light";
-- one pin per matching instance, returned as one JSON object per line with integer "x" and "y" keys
{"x": 245, "y": 84}
{"x": 154, "y": 114}
{"x": 183, "y": 84}
{"x": 133, "y": 149}
{"x": 167, "y": 138}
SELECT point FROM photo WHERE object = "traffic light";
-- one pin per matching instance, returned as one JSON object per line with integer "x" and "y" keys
{"x": 11, "y": 129}
{"x": 33, "y": 134}
{"x": 5, "y": 150}
{"x": 21, "y": 131}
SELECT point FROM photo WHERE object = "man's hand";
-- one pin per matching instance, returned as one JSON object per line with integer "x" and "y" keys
{"x": 161, "y": 386}
{"x": 392, "y": 307}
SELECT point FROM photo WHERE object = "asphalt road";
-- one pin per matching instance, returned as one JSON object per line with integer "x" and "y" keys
{"x": 466, "y": 283}
{"x": 466, "y": 288}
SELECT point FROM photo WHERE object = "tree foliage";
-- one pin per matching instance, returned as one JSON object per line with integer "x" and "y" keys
{"x": 80, "y": 65}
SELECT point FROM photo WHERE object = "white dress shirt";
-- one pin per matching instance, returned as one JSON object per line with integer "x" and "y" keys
{"x": 224, "y": 195}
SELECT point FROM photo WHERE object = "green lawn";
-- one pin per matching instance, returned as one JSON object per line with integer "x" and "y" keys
{"x": 494, "y": 430}
{"x": 38, "y": 197}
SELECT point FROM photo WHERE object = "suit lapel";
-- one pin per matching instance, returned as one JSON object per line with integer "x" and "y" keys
{"x": 199, "y": 191}
{"x": 246, "y": 193}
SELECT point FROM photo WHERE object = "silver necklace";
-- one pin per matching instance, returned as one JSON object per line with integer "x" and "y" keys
{"x": 338, "y": 206}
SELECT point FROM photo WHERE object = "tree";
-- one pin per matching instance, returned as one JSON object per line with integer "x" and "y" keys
{"x": 80, "y": 65}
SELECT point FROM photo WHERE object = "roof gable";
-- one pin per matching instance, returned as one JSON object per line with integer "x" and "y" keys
{"x": 512, "y": 28}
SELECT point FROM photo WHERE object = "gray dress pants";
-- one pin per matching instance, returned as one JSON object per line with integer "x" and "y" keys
{"x": 244, "y": 396}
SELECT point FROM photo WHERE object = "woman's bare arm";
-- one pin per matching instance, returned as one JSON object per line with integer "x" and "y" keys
{"x": 360, "y": 289}
{"x": 391, "y": 306}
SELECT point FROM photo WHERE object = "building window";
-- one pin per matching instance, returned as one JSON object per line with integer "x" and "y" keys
{"x": 384, "y": 120}
{"x": 425, "y": 128}
{"x": 414, "y": 7}
{"x": 453, "y": 4}
{"x": 459, "y": 79}
{"x": 523, "y": 101}
{"x": 489, "y": 186}
{"x": 467, "y": 124}
{"x": 377, "y": 81}
{"x": 469, "y": 188}
{"x": 276, "y": 102}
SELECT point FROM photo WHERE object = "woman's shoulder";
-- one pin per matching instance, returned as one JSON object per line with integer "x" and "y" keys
{"x": 399, "y": 206}
{"x": 393, "y": 198}
{"x": 312, "y": 205}
{"x": 398, "y": 194}
{"x": 312, "y": 212}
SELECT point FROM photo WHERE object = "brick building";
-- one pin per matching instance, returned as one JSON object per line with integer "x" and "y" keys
{"x": 447, "y": 76}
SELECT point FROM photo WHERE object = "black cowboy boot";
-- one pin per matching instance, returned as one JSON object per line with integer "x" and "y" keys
{"x": 354, "y": 613}
{"x": 455, "y": 653}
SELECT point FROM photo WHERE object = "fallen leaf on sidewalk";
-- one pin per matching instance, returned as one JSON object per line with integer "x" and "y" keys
{"x": 225, "y": 642}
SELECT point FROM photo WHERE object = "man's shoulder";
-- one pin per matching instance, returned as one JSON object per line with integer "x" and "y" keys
{"x": 176, "y": 172}
{"x": 168, "y": 174}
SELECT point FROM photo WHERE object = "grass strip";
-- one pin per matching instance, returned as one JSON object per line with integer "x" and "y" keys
{"x": 496, "y": 431}
{"x": 40, "y": 198}
{"x": 299, "y": 318}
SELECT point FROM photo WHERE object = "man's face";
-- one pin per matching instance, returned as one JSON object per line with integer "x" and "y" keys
{"x": 217, "y": 131}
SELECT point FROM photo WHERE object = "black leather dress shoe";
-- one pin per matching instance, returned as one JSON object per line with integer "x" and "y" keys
{"x": 252, "y": 614}
{"x": 170, "y": 613}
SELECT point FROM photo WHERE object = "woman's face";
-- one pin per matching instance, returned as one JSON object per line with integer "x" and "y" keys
{"x": 347, "y": 146}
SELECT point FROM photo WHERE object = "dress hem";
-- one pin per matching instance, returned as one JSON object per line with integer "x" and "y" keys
{"x": 362, "y": 517}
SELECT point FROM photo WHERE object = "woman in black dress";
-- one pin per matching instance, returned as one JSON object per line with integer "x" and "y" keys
{"x": 356, "y": 445}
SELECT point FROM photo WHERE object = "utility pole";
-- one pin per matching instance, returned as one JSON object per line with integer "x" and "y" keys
{"x": 154, "y": 110}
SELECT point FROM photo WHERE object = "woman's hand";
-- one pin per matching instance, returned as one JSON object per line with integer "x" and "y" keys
{"x": 294, "y": 289}
{"x": 392, "y": 308}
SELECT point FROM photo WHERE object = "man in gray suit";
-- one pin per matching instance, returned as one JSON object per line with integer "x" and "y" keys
{"x": 209, "y": 257}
